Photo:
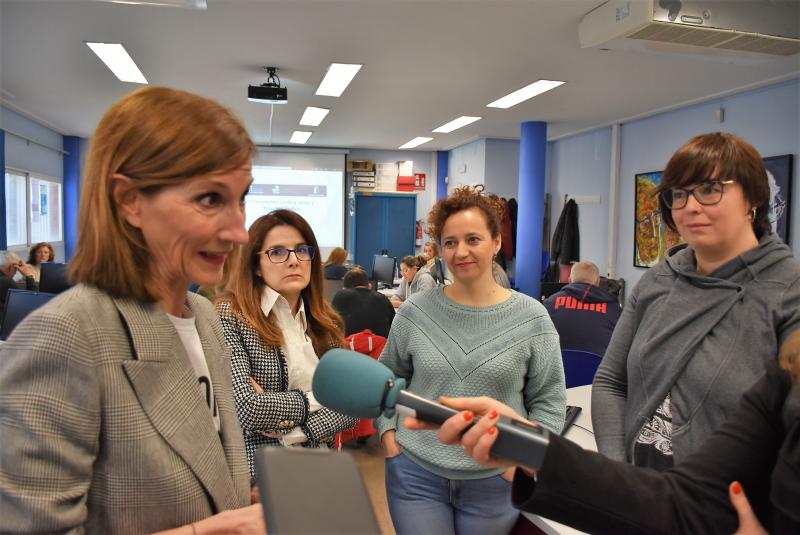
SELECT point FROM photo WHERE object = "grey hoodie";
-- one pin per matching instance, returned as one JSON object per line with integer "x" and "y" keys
{"x": 704, "y": 338}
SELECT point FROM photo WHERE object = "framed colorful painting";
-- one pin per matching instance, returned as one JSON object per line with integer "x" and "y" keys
{"x": 652, "y": 238}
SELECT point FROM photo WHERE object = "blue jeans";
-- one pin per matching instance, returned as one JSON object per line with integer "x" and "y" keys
{"x": 421, "y": 502}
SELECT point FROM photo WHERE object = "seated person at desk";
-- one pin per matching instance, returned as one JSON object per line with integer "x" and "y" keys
{"x": 583, "y": 313}
{"x": 334, "y": 268}
{"x": 416, "y": 278}
{"x": 756, "y": 450}
{"x": 360, "y": 307}
{"x": 10, "y": 263}
{"x": 435, "y": 265}
{"x": 40, "y": 253}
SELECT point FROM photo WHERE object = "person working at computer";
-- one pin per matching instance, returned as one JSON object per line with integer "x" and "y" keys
{"x": 435, "y": 265}
{"x": 699, "y": 326}
{"x": 756, "y": 451}
{"x": 416, "y": 278}
{"x": 116, "y": 410}
{"x": 583, "y": 313}
{"x": 277, "y": 324}
{"x": 40, "y": 253}
{"x": 472, "y": 337}
{"x": 360, "y": 307}
{"x": 334, "y": 267}
{"x": 10, "y": 266}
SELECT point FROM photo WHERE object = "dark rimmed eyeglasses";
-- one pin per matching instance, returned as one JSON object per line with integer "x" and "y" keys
{"x": 707, "y": 193}
{"x": 279, "y": 255}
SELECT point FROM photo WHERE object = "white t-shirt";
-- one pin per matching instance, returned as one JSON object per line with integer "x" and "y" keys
{"x": 187, "y": 331}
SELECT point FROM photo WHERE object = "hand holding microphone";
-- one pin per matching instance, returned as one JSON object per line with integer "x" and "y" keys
{"x": 477, "y": 436}
{"x": 356, "y": 385}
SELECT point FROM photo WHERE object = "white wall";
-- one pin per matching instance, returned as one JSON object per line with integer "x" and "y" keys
{"x": 31, "y": 157}
{"x": 501, "y": 175}
{"x": 424, "y": 162}
{"x": 467, "y": 165}
{"x": 580, "y": 166}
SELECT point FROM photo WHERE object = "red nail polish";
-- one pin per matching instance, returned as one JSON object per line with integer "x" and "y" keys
{"x": 492, "y": 430}
{"x": 737, "y": 488}
{"x": 493, "y": 415}
{"x": 468, "y": 416}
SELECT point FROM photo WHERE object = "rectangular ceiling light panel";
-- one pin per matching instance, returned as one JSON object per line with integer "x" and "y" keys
{"x": 456, "y": 124}
{"x": 300, "y": 137}
{"x": 191, "y": 4}
{"x": 520, "y": 95}
{"x": 337, "y": 79}
{"x": 313, "y": 116}
{"x": 119, "y": 61}
{"x": 416, "y": 142}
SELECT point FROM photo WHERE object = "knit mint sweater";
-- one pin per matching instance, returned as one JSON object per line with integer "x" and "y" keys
{"x": 508, "y": 351}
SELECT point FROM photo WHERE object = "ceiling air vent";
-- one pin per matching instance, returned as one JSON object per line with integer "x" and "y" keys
{"x": 753, "y": 26}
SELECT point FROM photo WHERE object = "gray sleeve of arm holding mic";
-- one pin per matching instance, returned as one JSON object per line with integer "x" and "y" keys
{"x": 395, "y": 358}
{"x": 545, "y": 393}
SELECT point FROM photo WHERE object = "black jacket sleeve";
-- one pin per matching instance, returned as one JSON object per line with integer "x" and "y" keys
{"x": 592, "y": 493}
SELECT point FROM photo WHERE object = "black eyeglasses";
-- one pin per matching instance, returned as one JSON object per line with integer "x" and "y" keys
{"x": 706, "y": 193}
{"x": 279, "y": 255}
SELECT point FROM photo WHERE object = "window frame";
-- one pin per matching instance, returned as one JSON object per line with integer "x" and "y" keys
{"x": 28, "y": 215}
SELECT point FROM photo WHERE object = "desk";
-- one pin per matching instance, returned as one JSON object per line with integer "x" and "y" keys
{"x": 580, "y": 396}
{"x": 388, "y": 292}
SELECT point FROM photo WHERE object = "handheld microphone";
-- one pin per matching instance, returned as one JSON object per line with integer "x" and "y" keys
{"x": 356, "y": 385}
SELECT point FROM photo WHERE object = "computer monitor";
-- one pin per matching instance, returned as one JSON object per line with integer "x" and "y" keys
{"x": 20, "y": 303}
{"x": 54, "y": 278}
{"x": 383, "y": 270}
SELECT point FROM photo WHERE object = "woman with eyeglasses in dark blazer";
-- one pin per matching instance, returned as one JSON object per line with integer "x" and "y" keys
{"x": 277, "y": 324}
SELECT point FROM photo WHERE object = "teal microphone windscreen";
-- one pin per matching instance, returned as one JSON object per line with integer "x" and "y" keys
{"x": 351, "y": 383}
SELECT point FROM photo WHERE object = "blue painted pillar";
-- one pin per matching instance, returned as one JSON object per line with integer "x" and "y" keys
{"x": 442, "y": 170}
{"x": 3, "y": 236}
{"x": 72, "y": 184}
{"x": 530, "y": 216}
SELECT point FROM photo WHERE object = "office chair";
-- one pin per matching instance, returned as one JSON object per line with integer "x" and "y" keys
{"x": 20, "y": 303}
{"x": 579, "y": 366}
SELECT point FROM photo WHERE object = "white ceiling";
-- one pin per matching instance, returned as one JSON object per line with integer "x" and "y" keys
{"x": 425, "y": 63}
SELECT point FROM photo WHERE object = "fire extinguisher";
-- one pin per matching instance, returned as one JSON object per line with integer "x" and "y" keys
{"x": 419, "y": 233}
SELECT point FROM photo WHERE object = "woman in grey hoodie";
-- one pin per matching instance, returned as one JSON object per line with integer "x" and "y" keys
{"x": 699, "y": 326}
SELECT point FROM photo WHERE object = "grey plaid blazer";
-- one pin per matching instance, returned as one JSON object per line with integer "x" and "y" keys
{"x": 103, "y": 427}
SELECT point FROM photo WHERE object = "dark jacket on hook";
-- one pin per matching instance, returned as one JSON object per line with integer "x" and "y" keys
{"x": 565, "y": 247}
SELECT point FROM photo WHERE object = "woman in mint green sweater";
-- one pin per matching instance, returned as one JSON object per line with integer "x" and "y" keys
{"x": 472, "y": 338}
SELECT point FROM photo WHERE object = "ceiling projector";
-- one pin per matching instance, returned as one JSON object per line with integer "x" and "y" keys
{"x": 270, "y": 92}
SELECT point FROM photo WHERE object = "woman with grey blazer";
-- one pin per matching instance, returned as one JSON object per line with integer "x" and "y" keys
{"x": 116, "y": 410}
{"x": 699, "y": 327}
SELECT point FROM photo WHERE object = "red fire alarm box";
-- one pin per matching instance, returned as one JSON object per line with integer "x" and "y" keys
{"x": 419, "y": 182}
{"x": 406, "y": 183}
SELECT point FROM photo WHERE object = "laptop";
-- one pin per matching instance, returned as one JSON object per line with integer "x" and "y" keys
{"x": 20, "y": 303}
{"x": 306, "y": 491}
